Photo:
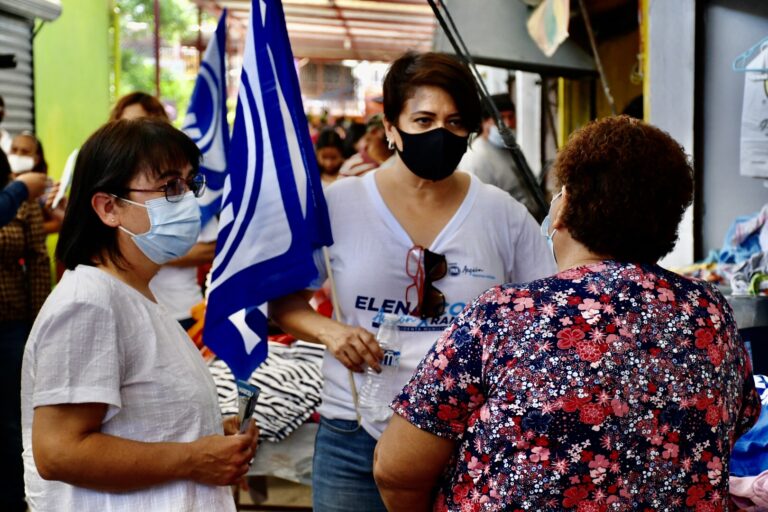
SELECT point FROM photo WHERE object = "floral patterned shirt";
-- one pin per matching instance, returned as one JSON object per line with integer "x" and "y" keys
{"x": 607, "y": 387}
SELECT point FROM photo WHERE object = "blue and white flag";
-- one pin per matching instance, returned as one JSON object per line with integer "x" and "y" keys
{"x": 273, "y": 213}
{"x": 206, "y": 120}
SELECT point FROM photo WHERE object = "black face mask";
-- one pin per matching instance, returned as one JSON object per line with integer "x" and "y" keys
{"x": 432, "y": 155}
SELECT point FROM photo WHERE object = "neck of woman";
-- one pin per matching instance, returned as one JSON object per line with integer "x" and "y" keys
{"x": 133, "y": 275}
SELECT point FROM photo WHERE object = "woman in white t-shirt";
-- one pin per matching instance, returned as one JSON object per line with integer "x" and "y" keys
{"x": 119, "y": 411}
{"x": 415, "y": 239}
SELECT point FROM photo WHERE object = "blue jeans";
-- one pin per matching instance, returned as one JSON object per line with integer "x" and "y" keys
{"x": 13, "y": 337}
{"x": 342, "y": 469}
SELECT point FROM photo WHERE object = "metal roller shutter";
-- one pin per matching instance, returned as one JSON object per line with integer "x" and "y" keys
{"x": 16, "y": 85}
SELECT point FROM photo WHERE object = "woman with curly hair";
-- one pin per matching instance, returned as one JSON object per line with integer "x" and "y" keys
{"x": 614, "y": 384}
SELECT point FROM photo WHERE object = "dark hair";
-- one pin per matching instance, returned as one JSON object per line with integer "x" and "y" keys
{"x": 628, "y": 184}
{"x": 503, "y": 103}
{"x": 328, "y": 138}
{"x": 634, "y": 108}
{"x": 413, "y": 70}
{"x": 5, "y": 170}
{"x": 355, "y": 132}
{"x": 42, "y": 165}
{"x": 149, "y": 103}
{"x": 107, "y": 162}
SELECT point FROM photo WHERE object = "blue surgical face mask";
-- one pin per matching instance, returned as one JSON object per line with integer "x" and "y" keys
{"x": 546, "y": 224}
{"x": 173, "y": 228}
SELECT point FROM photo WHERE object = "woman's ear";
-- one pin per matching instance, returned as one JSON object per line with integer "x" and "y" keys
{"x": 390, "y": 132}
{"x": 105, "y": 206}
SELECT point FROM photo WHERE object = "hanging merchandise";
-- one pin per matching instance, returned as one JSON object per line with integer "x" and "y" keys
{"x": 754, "y": 114}
{"x": 548, "y": 25}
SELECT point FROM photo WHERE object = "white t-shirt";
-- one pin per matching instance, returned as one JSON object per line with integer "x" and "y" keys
{"x": 176, "y": 288}
{"x": 96, "y": 339}
{"x": 495, "y": 166}
{"x": 491, "y": 239}
{"x": 5, "y": 141}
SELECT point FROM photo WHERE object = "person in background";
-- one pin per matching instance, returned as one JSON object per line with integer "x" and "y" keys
{"x": 354, "y": 141}
{"x": 138, "y": 104}
{"x": 25, "y": 281}
{"x": 23, "y": 187}
{"x": 613, "y": 385}
{"x": 27, "y": 156}
{"x": 329, "y": 150}
{"x": 175, "y": 285}
{"x": 489, "y": 159}
{"x": 417, "y": 239}
{"x": 5, "y": 137}
{"x": 375, "y": 152}
{"x": 119, "y": 410}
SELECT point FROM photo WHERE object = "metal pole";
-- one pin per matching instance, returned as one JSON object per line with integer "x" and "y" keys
{"x": 157, "y": 48}
{"x": 598, "y": 63}
{"x": 117, "y": 51}
{"x": 199, "y": 36}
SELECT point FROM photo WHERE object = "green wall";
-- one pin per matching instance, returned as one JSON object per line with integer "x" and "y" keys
{"x": 72, "y": 66}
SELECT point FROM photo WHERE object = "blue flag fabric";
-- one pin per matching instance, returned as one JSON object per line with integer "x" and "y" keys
{"x": 273, "y": 212}
{"x": 206, "y": 120}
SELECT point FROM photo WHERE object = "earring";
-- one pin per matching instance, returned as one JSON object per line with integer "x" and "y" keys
{"x": 390, "y": 144}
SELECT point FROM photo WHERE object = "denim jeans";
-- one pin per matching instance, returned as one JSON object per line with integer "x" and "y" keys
{"x": 342, "y": 469}
{"x": 13, "y": 337}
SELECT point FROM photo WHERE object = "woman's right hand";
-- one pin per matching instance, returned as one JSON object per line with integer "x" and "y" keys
{"x": 223, "y": 460}
{"x": 354, "y": 347}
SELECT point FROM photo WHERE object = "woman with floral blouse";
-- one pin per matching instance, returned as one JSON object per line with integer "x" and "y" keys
{"x": 613, "y": 385}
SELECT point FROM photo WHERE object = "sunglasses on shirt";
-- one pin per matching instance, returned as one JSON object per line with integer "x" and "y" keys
{"x": 425, "y": 267}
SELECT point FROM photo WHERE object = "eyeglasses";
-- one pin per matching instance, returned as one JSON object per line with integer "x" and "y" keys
{"x": 175, "y": 188}
{"x": 424, "y": 267}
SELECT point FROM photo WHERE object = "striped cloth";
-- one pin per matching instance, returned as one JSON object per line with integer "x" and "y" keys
{"x": 290, "y": 381}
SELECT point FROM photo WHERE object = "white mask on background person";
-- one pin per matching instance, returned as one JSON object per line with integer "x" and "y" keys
{"x": 21, "y": 163}
{"x": 495, "y": 138}
{"x": 546, "y": 224}
{"x": 173, "y": 228}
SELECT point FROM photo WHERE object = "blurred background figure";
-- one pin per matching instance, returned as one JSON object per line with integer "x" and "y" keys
{"x": 354, "y": 139}
{"x": 374, "y": 151}
{"x": 25, "y": 281}
{"x": 5, "y": 137}
{"x": 488, "y": 157}
{"x": 27, "y": 155}
{"x": 329, "y": 150}
{"x": 25, "y": 186}
{"x": 138, "y": 104}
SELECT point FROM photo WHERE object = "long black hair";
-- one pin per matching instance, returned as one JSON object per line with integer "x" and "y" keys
{"x": 107, "y": 162}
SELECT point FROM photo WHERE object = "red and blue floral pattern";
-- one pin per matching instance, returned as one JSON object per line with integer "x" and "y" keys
{"x": 607, "y": 387}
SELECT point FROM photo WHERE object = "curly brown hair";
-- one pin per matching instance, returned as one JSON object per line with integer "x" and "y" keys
{"x": 628, "y": 184}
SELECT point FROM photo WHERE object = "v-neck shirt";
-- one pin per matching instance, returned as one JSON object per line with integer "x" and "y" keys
{"x": 490, "y": 239}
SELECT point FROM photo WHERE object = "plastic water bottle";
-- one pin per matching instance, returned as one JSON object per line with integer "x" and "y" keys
{"x": 378, "y": 390}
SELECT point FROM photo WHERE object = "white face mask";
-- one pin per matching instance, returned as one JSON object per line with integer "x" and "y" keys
{"x": 173, "y": 228}
{"x": 495, "y": 138}
{"x": 21, "y": 163}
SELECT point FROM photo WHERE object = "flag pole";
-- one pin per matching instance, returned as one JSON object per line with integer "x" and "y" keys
{"x": 340, "y": 318}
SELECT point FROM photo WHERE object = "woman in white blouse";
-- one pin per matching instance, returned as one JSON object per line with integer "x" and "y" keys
{"x": 119, "y": 411}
